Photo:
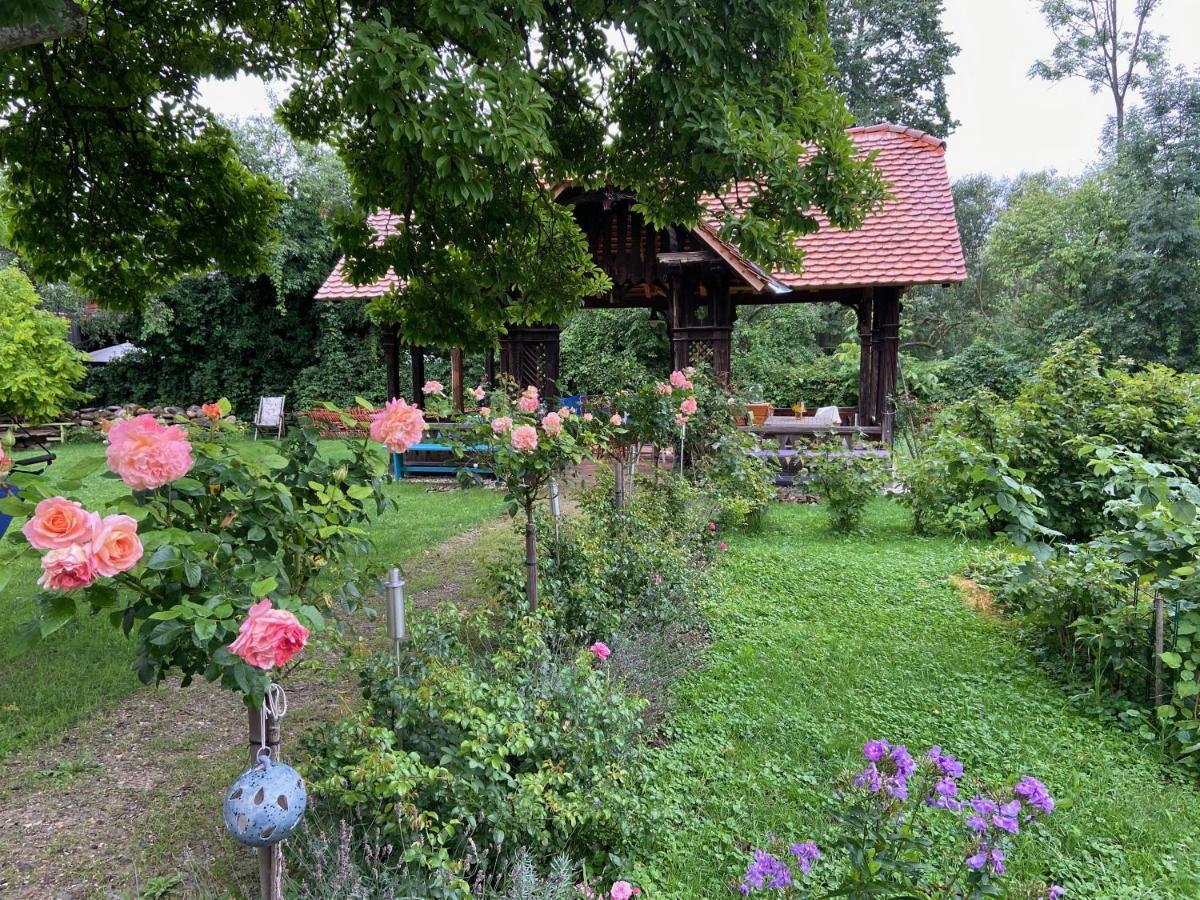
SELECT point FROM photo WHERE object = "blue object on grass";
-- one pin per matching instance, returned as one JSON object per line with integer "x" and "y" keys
{"x": 6, "y": 490}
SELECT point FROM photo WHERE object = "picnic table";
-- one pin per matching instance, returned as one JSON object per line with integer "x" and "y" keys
{"x": 800, "y": 438}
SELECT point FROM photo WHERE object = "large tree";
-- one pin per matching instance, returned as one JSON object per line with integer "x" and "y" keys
{"x": 458, "y": 117}
{"x": 893, "y": 58}
{"x": 1105, "y": 42}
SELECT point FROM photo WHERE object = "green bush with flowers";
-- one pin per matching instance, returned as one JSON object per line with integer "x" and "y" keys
{"x": 486, "y": 743}
{"x": 207, "y": 533}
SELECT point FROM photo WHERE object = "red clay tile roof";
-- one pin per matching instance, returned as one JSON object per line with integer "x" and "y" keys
{"x": 912, "y": 239}
{"x": 338, "y": 287}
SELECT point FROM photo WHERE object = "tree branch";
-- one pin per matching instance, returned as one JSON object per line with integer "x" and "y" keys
{"x": 70, "y": 23}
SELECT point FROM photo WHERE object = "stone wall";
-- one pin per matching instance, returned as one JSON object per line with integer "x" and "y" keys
{"x": 89, "y": 418}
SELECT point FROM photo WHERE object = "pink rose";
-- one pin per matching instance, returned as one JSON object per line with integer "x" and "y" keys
{"x": 147, "y": 455}
{"x": 66, "y": 568}
{"x": 501, "y": 425}
{"x": 485, "y": 411}
{"x": 433, "y": 387}
{"x": 528, "y": 404}
{"x": 115, "y": 546}
{"x": 723, "y": 547}
{"x": 688, "y": 406}
{"x": 212, "y": 410}
{"x": 712, "y": 527}
{"x": 662, "y": 388}
{"x": 616, "y": 419}
{"x": 681, "y": 419}
{"x": 680, "y": 380}
{"x": 566, "y": 412}
{"x": 58, "y": 522}
{"x": 269, "y": 637}
{"x": 552, "y": 422}
{"x": 524, "y": 439}
{"x": 397, "y": 426}
{"x": 587, "y": 417}
{"x": 621, "y": 890}
{"x": 601, "y": 650}
{"x": 478, "y": 393}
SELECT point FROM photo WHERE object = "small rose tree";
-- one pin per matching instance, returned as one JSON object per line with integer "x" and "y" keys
{"x": 526, "y": 446}
{"x": 209, "y": 533}
{"x": 655, "y": 415}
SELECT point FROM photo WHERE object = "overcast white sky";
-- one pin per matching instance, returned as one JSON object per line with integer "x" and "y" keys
{"x": 1010, "y": 123}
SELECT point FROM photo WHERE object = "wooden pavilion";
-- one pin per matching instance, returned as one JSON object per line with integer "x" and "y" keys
{"x": 696, "y": 281}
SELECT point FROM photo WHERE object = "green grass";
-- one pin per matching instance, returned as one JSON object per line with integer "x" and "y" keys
{"x": 821, "y": 642}
{"x": 46, "y": 686}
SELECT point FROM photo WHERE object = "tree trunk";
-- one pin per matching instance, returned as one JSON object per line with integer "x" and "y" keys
{"x": 531, "y": 570}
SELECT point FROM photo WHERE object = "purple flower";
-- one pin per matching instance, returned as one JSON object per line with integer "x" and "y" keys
{"x": 1007, "y": 818}
{"x": 996, "y": 859}
{"x": 1034, "y": 793}
{"x": 1055, "y": 892}
{"x": 870, "y": 779}
{"x": 977, "y": 823}
{"x": 903, "y": 761}
{"x": 874, "y": 750}
{"x": 983, "y": 806}
{"x": 897, "y": 787}
{"x": 978, "y": 859}
{"x": 947, "y": 787}
{"x": 766, "y": 872}
{"x": 947, "y": 764}
{"x": 806, "y": 854}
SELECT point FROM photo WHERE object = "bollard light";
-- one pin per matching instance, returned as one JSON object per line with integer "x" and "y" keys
{"x": 396, "y": 628}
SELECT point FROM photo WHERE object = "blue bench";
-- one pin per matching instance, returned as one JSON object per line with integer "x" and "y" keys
{"x": 401, "y": 466}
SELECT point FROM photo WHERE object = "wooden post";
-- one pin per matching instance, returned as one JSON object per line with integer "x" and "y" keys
{"x": 456, "y": 377}
{"x": 489, "y": 368}
{"x": 865, "y": 372}
{"x": 418, "y": 375}
{"x": 391, "y": 359}
{"x": 270, "y": 859}
{"x": 886, "y": 340}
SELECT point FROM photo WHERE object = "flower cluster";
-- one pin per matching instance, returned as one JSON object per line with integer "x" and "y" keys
{"x": 768, "y": 872}
{"x": 888, "y": 769}
{"x": 269, "y": 637}
{"x": 620, "y": 890}
{"x": 80, "y": 545}
{"x": 992, "y": 819}
{"x": 147, "y": 455}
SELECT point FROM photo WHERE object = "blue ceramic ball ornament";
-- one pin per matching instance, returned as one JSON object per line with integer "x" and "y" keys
{"x": 266, "y": 803}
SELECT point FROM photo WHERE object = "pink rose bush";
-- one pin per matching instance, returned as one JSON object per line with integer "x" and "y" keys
{"x": 80, "y": 545}
{"x": 433, "y": 388}
{"x": 398, "y": 426}
{"x": 147, "y": 455}
{"x": 478, "y": 393}
{"x": 269, "y": 637}
{"x": 552, "y": 423}
{"x": 600, "y": 650}
{"x": 688, "y": 406}
{"x": 501, "y": 425}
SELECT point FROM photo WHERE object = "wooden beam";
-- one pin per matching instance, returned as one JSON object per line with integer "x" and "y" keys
{"x": 418, "y": 375}
{"x": 456, "y": 377}
{"x": 391, "y": 359}
{"x": 687, "y": 258}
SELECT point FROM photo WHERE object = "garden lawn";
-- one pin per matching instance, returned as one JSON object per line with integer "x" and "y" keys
{"x": 45, "y": 686}
{"x": 821, "y": 642}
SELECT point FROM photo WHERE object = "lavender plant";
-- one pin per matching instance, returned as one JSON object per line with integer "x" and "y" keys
{"x": 890, "y": 834}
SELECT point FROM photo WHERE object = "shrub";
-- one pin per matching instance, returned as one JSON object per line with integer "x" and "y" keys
{"x": 485, "y": 730}
{"x": 846, "y": 481}
{"x": 38, "y": 368}
{"x": 982, "y": 365}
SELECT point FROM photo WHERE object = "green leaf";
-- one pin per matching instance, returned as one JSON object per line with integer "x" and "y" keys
{"x": 1172, "y": 659}
{"x": 263, "y": 586}
{"x": 164, "y": 558}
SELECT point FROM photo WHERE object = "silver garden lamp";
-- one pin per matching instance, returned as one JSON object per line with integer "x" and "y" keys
{"x": 397, "y": 628}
